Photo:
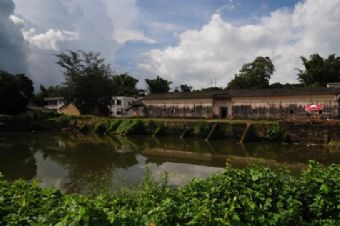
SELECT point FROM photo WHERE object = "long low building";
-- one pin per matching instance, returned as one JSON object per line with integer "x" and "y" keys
{"x": 243, "y": 104}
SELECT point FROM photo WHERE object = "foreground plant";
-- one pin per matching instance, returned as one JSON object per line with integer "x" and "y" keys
{"x": 251, "y": 196}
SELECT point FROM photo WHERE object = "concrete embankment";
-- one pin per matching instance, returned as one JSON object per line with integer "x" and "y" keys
{"x": 319, "y": 132}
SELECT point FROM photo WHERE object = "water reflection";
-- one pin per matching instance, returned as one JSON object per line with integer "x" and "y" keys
{"x": 87, "y": 163}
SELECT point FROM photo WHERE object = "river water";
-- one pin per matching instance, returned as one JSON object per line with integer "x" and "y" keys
{"x": 77, "y": 163}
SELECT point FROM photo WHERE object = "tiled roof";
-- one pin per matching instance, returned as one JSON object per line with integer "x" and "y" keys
{"x": 245, "y": 93}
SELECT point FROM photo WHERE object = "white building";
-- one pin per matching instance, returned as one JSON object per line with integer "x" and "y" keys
{"x": 54, "y": 103}
{"x": 121, "y": 106}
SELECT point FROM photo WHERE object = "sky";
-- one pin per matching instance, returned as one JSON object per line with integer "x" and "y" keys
{"x": 190, "y": 42}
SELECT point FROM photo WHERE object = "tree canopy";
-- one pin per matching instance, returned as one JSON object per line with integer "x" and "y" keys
{"x": 15, "y": 92}
{"x": 158, "y": 85}
{"x": 253, "y": 75}
{"x": 319, "y": 71}
{"x": 87, "y": 80}
{"x": 125, "y": 85}
{"x": 184, "y": 88}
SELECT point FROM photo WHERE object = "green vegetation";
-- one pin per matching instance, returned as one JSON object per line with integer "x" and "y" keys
{"x": 334, "y": 146}
{"x": 15, "y": 93}
{"x": 319, "y": 71}
{"x": 158, "y": 85}
{"x": 251, "y": 196}
{"x": 253, "y": 75}
{"x": 275, "y": 132}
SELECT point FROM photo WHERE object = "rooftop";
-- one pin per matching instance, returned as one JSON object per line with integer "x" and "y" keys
{"x": 245, "y": 93}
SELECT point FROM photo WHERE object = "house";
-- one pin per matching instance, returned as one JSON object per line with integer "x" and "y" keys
{"x": 54, "y": 103}
{"x": 244, "y": 104}
{"x": 59, "y": 105}
{"x": 121, "y": 106}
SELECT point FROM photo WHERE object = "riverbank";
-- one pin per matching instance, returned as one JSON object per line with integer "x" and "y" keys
{"x": 250, "y": 196}
{"x": 318, "y": 132}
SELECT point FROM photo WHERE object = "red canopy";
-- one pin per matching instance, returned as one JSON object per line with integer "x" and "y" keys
{"x": 313, "y": 107}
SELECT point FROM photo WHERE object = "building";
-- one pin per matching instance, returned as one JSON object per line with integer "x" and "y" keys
{"x": 54, "y": 103}
{"x": 59, "y": 105}
{"x": 121, "y": 106}
{"x": 244, "y": 104}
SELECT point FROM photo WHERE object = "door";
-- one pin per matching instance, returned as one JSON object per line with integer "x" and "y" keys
{"x": 223, "y": 112}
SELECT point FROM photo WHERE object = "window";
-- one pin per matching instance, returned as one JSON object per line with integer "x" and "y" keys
{"x": 119, "y": 112}
{"x": 119, "y": 102}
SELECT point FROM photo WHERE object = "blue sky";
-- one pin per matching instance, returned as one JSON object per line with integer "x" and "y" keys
{"x": 185, "y": 41}
{"x": 190, "y": 14}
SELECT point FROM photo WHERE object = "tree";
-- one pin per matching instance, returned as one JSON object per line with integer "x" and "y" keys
{"x": 185, "y": 88}
{"x": 15, "y": 93}
{"x": 319, "y": 71}
{"x": 87, "y": 80}
{"x": 158, "y": 85}
{"x": 253, "y": 75}
{"x": 125, "y": 85}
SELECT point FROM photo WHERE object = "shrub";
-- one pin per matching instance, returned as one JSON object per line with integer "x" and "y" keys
{"x": 250, "y": 196}
{"x": 275, "y": 132}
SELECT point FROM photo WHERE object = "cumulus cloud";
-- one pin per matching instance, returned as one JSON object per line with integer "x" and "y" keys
{"x": 54, "y": 26}
{"x": 49, "y": 39}
{"x": 219, "y": 48}
{"x": 12, "y": 43}
{"x": 125, "y": 17}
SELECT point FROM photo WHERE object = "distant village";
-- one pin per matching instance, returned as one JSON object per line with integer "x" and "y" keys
{"x": 91, "y": 88}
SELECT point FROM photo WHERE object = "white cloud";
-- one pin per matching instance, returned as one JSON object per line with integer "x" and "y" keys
{"x": 49, "y": 39}
{"x": 125, "y": 18}
{"x": 219, "y": 48}
{"x": 17, "y": 21}
{"x": 123, "y": 36}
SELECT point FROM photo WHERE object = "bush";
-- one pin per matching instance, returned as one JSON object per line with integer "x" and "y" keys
{"x": 275, "y": 132}
{"x": 132, "y": 126}
{"x": 250, "y": 196}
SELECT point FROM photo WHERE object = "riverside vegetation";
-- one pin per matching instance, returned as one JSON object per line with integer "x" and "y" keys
{"x": 250, "y": 196}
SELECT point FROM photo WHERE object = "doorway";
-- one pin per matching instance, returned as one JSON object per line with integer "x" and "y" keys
{"x": 223, "y": 112}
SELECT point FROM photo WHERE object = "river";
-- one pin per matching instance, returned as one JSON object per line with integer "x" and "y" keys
{"x": 77, "y": 163}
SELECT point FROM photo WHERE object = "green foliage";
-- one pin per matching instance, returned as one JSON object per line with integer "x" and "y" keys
{"x": 253, "y": 75}
{"x": 319, "y": 71}
{"x": 275, "y": 132}
{"x": 15, "y": 93}
{"x": 125, "y": 85}
{"x": 131, "y": 126}
{"x": 202, "y": 129}
{"x": 251, "y": 196}
{"x": 334, "y": 146}
{"x": 184, "y": 88}
{"x": 113, "y": 126}
{"x": 87, "y": 80}
{"x": 158, "y": 85}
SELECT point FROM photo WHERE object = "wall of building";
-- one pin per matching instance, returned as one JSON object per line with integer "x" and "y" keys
{"x": 194, "y": 107}
{"x": 277, "y": 107}
{"x": 121, "y": 105}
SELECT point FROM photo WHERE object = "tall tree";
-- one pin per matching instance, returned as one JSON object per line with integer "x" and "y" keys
{"x": 125, "y": 85}
{"x": 157, "y": 85}
{"x": 87, "y": 80}
{"x": 253, "y": 75}
{"x": 15, "y": 92}
{"x": 184, "y": 88}
{"x": 319, "y": 71}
